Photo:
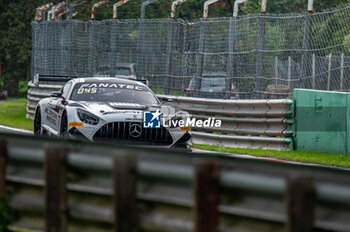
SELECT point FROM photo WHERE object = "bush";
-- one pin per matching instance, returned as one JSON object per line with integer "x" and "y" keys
{"x": 4, "y": 216}
{"x": 23, "y": 88}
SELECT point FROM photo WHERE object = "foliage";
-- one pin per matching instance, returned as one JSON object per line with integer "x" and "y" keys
{"x": 5, "y": 217}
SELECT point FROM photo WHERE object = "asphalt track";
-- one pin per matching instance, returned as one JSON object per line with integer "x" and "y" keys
{"x": 6, "y": 129}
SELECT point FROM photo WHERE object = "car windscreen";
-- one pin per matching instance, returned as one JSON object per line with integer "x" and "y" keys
{"x": 122, "y": 70}
{"x": 113, "y": 92}
{"x": 213, "y": 83}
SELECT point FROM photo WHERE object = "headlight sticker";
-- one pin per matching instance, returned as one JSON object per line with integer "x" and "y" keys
{"x": 76, "y": 124}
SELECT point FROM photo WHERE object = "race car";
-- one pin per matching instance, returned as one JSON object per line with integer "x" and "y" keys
{"x": 111, "y": 109}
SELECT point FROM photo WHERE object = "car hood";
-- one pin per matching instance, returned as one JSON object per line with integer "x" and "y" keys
{"x": 120, "y": 111}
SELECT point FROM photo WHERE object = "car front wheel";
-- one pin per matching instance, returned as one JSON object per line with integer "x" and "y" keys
{"x": 37, "y": 122}
{"x": 64, "y": 126}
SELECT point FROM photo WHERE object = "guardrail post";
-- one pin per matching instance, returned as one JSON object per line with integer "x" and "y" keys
{"x": 125, "y": 212}
{"x": 206, "y": 197}
{"x": 55, "y": 189}
{"x": 3, "y": 162}
{"x": 300, "y": 204}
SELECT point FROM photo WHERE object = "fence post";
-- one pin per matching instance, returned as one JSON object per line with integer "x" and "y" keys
{"x": 329, "y": 71}
{"x": 305, "y": 67}
{"x": 140, "y": 59}
{"x": 182, "y": 66}
{"x": 313, "y": 71}
{"x": 342, "y": 71}
{"x": 289, "y": 71}
{"x": 55, "y": 189}
{"x": 260, "y": 56}
{"x": 124, "y": 198}
{"x": 206, "y": 197}
{"x": 3, "y": 162}
{"x": 276, "y": 72}
{"x": 91, "y": 49}
{"x": 200, "y": 58}
{"x": 114, "y": 50}
{"x": 231, "y": 49}
{"x": 300, "y": 204}
{"x": 168, "y": 61}
{"x": 69, "y": 35}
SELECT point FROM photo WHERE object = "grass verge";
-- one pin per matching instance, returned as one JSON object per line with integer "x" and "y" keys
{"x": 13, "y": 114}
{"x": 335, "y": 160}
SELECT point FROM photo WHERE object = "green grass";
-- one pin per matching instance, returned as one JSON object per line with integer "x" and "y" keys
{"x": 335, "y": 160}
{"x": 13, "y": 114}
{"x": 158, "y": 90}
{"x": 16, "y": 229}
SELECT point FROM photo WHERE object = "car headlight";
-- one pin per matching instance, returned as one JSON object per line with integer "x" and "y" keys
{"x": 87, "y": 117}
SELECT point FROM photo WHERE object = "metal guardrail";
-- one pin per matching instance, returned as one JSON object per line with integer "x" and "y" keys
{"x": 107, "y": 187}
{"x": 245, "y": 123}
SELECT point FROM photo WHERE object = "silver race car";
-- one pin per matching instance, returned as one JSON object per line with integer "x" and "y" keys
{"x": 109, "y": 109}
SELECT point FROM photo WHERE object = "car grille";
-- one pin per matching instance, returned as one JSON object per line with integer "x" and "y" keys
{"x": 121, "y": 132}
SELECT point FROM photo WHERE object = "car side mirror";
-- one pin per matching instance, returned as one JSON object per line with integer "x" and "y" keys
{"x": 56, "y": 94}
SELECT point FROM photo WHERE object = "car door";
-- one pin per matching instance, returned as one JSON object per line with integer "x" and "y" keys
{"x": 61, "y": 104}
{"x": 55, "y": 108}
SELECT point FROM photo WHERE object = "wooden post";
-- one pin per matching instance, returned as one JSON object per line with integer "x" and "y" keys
{"x": 3, "y": 161}
{"x": 206, "y": 197}
{"x": 55, "y": 189}
{"x": 300, "y": 204}
{"x": 125, "y": 211}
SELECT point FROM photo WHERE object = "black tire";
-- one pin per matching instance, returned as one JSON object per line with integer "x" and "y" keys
{"x": 64, "y": 126}
{"x": 37, "y": 123}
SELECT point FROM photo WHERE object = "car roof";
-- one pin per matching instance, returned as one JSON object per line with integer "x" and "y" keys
{"x": 107, "y": 80}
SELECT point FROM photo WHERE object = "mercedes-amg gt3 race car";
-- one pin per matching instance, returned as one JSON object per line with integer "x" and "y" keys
{"x": 109, "y": 109}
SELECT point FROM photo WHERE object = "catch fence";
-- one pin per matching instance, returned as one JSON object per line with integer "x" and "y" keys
{"x": 254, "y": 56}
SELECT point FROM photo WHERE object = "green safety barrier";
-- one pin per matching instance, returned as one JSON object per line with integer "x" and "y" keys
{"x": 321, "y": 121}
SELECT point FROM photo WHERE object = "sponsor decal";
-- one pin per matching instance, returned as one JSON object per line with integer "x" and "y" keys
{"x": 94, "y": 86}
{"x": 76, "y": 124}
{"x": 185, "y": 128}
{"x": 151, "y": 119}
{"x": 155, "y": 119}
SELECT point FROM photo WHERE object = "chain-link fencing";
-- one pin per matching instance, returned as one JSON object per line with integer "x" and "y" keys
{"x": 255, "y": 56}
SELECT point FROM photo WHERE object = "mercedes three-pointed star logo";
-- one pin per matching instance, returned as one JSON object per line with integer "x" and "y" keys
{"x": 135, "y": 130}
